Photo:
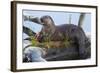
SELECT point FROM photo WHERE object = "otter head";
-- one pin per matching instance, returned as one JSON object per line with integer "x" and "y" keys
{"x": 47, "y": 21}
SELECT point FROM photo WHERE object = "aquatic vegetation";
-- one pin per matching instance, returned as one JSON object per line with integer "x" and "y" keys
{"x": 50, "y": 44}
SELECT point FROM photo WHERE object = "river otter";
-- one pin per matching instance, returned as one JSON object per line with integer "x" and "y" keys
{"x": 64, "y": 31}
